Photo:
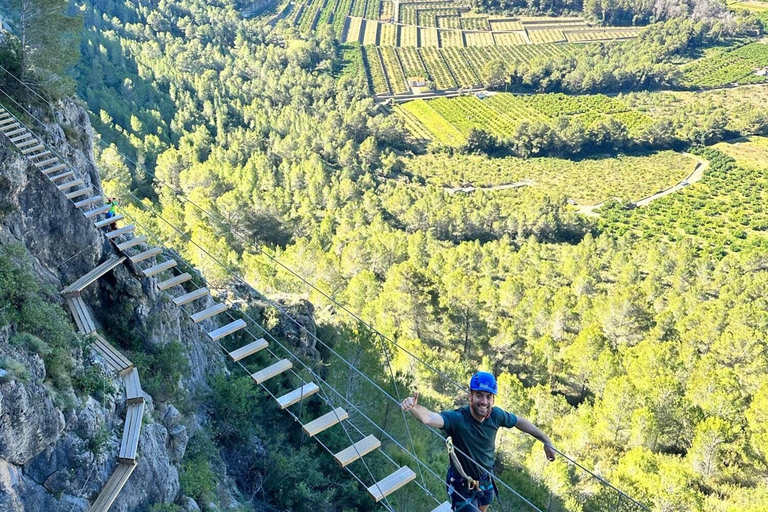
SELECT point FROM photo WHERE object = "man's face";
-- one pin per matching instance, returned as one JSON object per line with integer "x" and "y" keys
{"x": 481, "y": 403}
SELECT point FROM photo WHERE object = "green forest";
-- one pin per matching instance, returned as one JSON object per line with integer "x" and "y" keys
{"x": 637, "y": 338}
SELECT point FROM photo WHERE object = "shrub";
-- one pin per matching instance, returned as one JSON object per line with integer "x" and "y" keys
{"x": 15, "y": 369}
{"x": 161, "y": 371}
{"x": 98, "y": 443}
{"x": 197, "y": 478}
{"x": 93, "y": 381}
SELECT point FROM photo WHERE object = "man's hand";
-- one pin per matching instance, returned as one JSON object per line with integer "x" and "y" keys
{"x": 549, "y": 452}
{"x": 410, "y": 402}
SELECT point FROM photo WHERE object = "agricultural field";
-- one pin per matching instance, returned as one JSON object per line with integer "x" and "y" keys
{"x": 509, "y": 38}
{"x": 739, "y": 66}
{"x": 751, "y": 153}
{"x": 449, "y": 38}
{"x": 546, "y": 36}
{"x": 420, "y": 114}
{"x": 375, "y": 70}
{"x": 371, "y": 34}
{"x": 587, "y": 182}
{"x": 505, "y": 24}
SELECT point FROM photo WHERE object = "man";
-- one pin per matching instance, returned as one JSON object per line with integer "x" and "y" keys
{"x": 112, "y": 202}
{"x": 472, "y": 429}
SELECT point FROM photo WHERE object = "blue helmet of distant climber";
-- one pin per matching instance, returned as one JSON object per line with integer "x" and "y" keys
{"x": 483, "y": 381}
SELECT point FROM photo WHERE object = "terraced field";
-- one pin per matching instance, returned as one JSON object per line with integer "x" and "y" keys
{"x": 745, "y": 65}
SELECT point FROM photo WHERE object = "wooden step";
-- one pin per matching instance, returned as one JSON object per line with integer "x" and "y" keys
{"x": 325, "y": 421}
{"x": 209, "y": 312}
{"x": 81, "y": 315}
{"x": 297, "y": 395}
{"x": 113, "y": 487}
{"x": 130, "y": 443}
{"x": 130, "y": 228}
{"x": 12, "y": 129}
{"x": 33, "y": 149}
{"x": 6, "y": 119}
{"x": 181, "y": 278}
{"x": 357, "y": 450}
{"x": 39, "y": 155}
{"x": 79, "y": 193}
{"x": 133, "y": 242}
{"x": 136, "y": 258}
{"x": 68, "y": 174}
{"x": 78, "y": 286}
{"x": 56, "y": 168}
{"x": 116, "y": 361}
{"x": 189, "y": 297}
{"x": 443, "y": 507}
{"x": 22, "y": 141}
{"x": 248, "y": 349}
{"x": 9, "y": 126}
{"x": 88, "y": 201}
{"x": 133, "y": 394}
{"x": 107, "y": 222}
{"x": 272, "y": 371}
{"x": 69, "y": 184}
{"x": 390, "y": 484}
{"x": 15, "y": 132}
{"x": 226, "y": 330}
{"x": 97, "y": 211}
{"x": 48, "y": 162}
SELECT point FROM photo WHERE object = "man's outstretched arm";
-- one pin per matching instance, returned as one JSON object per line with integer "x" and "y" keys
{"x": 529, "y": 428}
{"x": 421, "y": 413}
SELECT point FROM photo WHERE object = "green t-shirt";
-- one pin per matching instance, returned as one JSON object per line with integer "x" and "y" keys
{"x": 474, "y": 438}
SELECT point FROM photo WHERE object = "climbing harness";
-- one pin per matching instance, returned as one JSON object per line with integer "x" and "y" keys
{"x": 472, "y": 483}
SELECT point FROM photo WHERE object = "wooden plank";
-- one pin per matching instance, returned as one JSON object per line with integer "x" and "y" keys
{"x": 69, "y": 184}
{"x": 113, "y": 487}
{"x": 97, "y": 211}
{"x": 88, "y": 201}
{"x": 130, "y": 228}
{"x": 133, "y": 242}
{"x": 297, "y": 395}
{"x": 226, "y": 330}
{"x": 390, "y": 484}
{"x": 107, "y": 222}
{"x": 14, "y": 132}
{"x": 73, "y": 309}
{"x": 93, "y": 275}
{"x": 79, "y": 193}
{"x": 189, "y": 297}
{"x": 9, "y": 126}
{"x": 272, "y": 371}
{"x": 55, "y": 168}
{"x": 114, "y": 359}
{"x": 133, "y": 394}
{"x": 248, "y": 349}
{"x": 181, "y": 278}
{"x": 47, "y": 162}
{"x": 39, "y": 155}
{"x": 85, "y": 316}
{"x": 136, "y": 258}
{"x": 62, "y": 176}
{"x": 130, "y": 443}
{"x": 443, "y": 507}
{"x": 357, "y": 450}
{"x": 325, "y": 421}
{"x": 22, "y": 141}
{"x": 209, "y": 312}
{"x": 32, "y": 149}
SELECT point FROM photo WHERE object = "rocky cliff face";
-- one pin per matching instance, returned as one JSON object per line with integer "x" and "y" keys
{"x": 47, "y": 456}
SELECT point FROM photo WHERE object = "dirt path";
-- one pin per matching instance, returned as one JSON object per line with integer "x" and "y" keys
{"x": 518, "y": 184}
{"x": 696, "y": 175}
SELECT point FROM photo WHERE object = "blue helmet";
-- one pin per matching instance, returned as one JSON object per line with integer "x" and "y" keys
{"x": 483, "y": 381}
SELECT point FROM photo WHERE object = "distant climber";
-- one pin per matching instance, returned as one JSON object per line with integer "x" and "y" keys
{"x": 113, "y": 204}
{"x": 471, "y": 442}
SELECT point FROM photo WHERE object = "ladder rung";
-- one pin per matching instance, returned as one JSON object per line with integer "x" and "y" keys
{"x": 23, "y": 141}
{"x": 87, "y": 201}
{"x": 107, "y": 222}
{"x": 133, "y": 242}
{"x": 209, "y": 312}
{"x": 10, "y": 126}
{"x": 181, "y": 278}
{"x": 249, "y": 349}
{"x": 127, "y": 229}
{"x": 297, "y": 395}
{"x": 6, "y": 119}
{"x": 227, "y": 329}
{"x": 357, "y": 450}
{"x": 47, "y": 162}
{"x": 443, "y": 507}
{"x": 325, "y": 421}
{"x": 189, "y": 297}
{"x": 12, "y": 130}
{"x": 97, "y": 211}
{"x": 69, "y": 184}
{"x": 32, "y": 149}
{"x": 136, "y": 258}
{"x": 44, "y": 153}
{"x": 62, "y": 176}
{"x": 54, "y": 168}
{"x": 79, "y": 193}
{"x": 156, "y": 269}
{"x": 16, "y": 132}
{"x": 390, "y": 484}
{"x": 272, "y": 371}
